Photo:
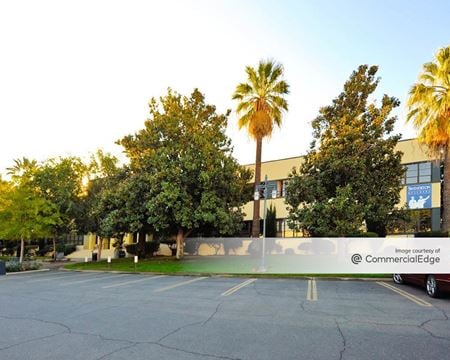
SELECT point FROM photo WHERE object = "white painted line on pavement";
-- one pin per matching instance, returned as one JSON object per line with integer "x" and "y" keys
{"x": 92, "y": 279}
{"x": 238, "y": 286}
{"x": 179, "y": 284}
{"x": 28, "y": 272}
{"x": 133, "y": 281}
{"x": 311, "y": 292}
{"x": 405, "y": 294}
{"x": 70, "y": 276}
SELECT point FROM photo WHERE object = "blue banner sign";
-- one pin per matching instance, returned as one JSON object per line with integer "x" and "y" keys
{"x": 419, "y": 196}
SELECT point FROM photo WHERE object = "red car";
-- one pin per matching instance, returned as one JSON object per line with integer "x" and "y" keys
{"x": 434, "y": 284}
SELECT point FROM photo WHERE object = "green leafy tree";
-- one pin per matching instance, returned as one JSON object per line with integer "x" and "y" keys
{"x": 184, "y": 169}
{"x": 104, "y": 203}
{"x": 352, "y": 172}
{"x": 23, "y": 170}
{"x": 429, "y": 111}
{"x": 25, "y": 215}
{"x": 261, "y": 103}
{"x": 60, "y": 181}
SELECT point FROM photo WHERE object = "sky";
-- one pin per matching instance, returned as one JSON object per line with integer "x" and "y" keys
{"x": 76, "y": 76}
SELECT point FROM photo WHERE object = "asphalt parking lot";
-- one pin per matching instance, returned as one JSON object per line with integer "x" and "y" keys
{"x": 74, "y": 315}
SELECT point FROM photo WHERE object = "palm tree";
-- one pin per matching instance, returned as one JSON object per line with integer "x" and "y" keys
{"x": 261, "y": 105}
{"x": 23, "y": 170}
{"x": 429, "y": 111}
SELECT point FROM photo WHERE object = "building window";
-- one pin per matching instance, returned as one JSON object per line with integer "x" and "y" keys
{"x": 421, "y": 220}
{"x": 280, "y": 226}
{"x": 283, "y": 187}
{"x": 417, "y": 173}
{"x": 274, "y": 185}
{"x": 418, "y": 221}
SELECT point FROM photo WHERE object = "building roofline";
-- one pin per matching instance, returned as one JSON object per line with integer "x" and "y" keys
{"x": 300, "y": 156}
{"x": 268, "y": 161}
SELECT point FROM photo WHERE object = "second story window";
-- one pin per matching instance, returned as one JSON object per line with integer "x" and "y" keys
{"x": 418, "y": 173}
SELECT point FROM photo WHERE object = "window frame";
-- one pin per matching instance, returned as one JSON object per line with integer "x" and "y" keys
{"x": 418, "y": 176}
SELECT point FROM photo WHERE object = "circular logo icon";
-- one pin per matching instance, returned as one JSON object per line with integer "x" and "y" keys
{"x": 356, "y": 259}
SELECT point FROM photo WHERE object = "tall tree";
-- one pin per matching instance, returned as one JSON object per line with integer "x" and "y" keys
{"x": 25, "y": 215}
{"x": 60, "y": 181}
{"x": 352, "y": 164}
{"x": 23, "y": 170}
{"x": 104, "y": 204}
{"x": 429, "y": 111}
{"x": 261, "y": 105}
{"x": 182, "y": 160}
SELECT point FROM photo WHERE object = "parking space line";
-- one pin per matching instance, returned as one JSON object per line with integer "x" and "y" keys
{"x": 92, "y": 279}
{"x": 69, "y": 276}
{"x": 237, "y": 287}
{"x": 41, "y": 277}
{"x": 179, "y": 284}
{"x": 311, "y": 292}
{"x": 133, "y": 281}
{"x": 405, "y": 294}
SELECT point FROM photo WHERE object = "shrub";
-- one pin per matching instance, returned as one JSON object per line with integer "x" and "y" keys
{"x": 150, "y": 248}
{"x": 30, "y": 250}
{"x": 30, "y": 265}
{"x": 65, "y": 248}
{"x": 12, "y": 266}
{"x": 431, "y": 234}
{"x": 191, "y": 246}
{"x": 15, "y": 266}
{"x": 9, "y": 250}
{"x": 231, "y": 244}
{"x": 255, "y": 247}
{"x": 69, "y": 249}
{"x": 44, "y": 250}
{"x": 364, "y": 234}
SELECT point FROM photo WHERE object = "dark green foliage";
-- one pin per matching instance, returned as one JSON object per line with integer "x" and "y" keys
{"x": 228, "y": 244}
{"x": 150, "y": 248}
{"x": 65, "y": 248}
{"x": 105, "y": 203}
{"x": 183, "y": 174}
{"x": 364, "y": 234}
{"x": 43, "y": 250}
{"x": 271, "y": 222}
{"x": 431, "y": 234}
{"x": 60, "y": 182}
{"x": 191, "y": 246}
{"x": 352, "y": 173}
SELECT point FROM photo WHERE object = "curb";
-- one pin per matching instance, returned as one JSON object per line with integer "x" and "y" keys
{"x": 26, "y": 272}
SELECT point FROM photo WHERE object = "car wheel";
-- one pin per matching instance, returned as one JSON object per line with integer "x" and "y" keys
{"x": 397, "y": 278}
{"x": 432, "y": 286}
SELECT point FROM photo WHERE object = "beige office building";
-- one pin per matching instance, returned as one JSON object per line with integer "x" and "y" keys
{"x": 421, "y": 192}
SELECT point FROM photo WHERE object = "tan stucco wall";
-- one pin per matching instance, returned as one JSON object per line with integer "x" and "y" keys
{"x": 277, "y": 169}
{"x": 278, "y": 203}
{"x": 89, "y": 241}
{"x": 280, "y": 169}
{"x": 413, "y": 151}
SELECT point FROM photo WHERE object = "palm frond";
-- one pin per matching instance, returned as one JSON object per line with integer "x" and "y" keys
{"x": 261, "y": 101}
{"x": 429, "y": 101}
